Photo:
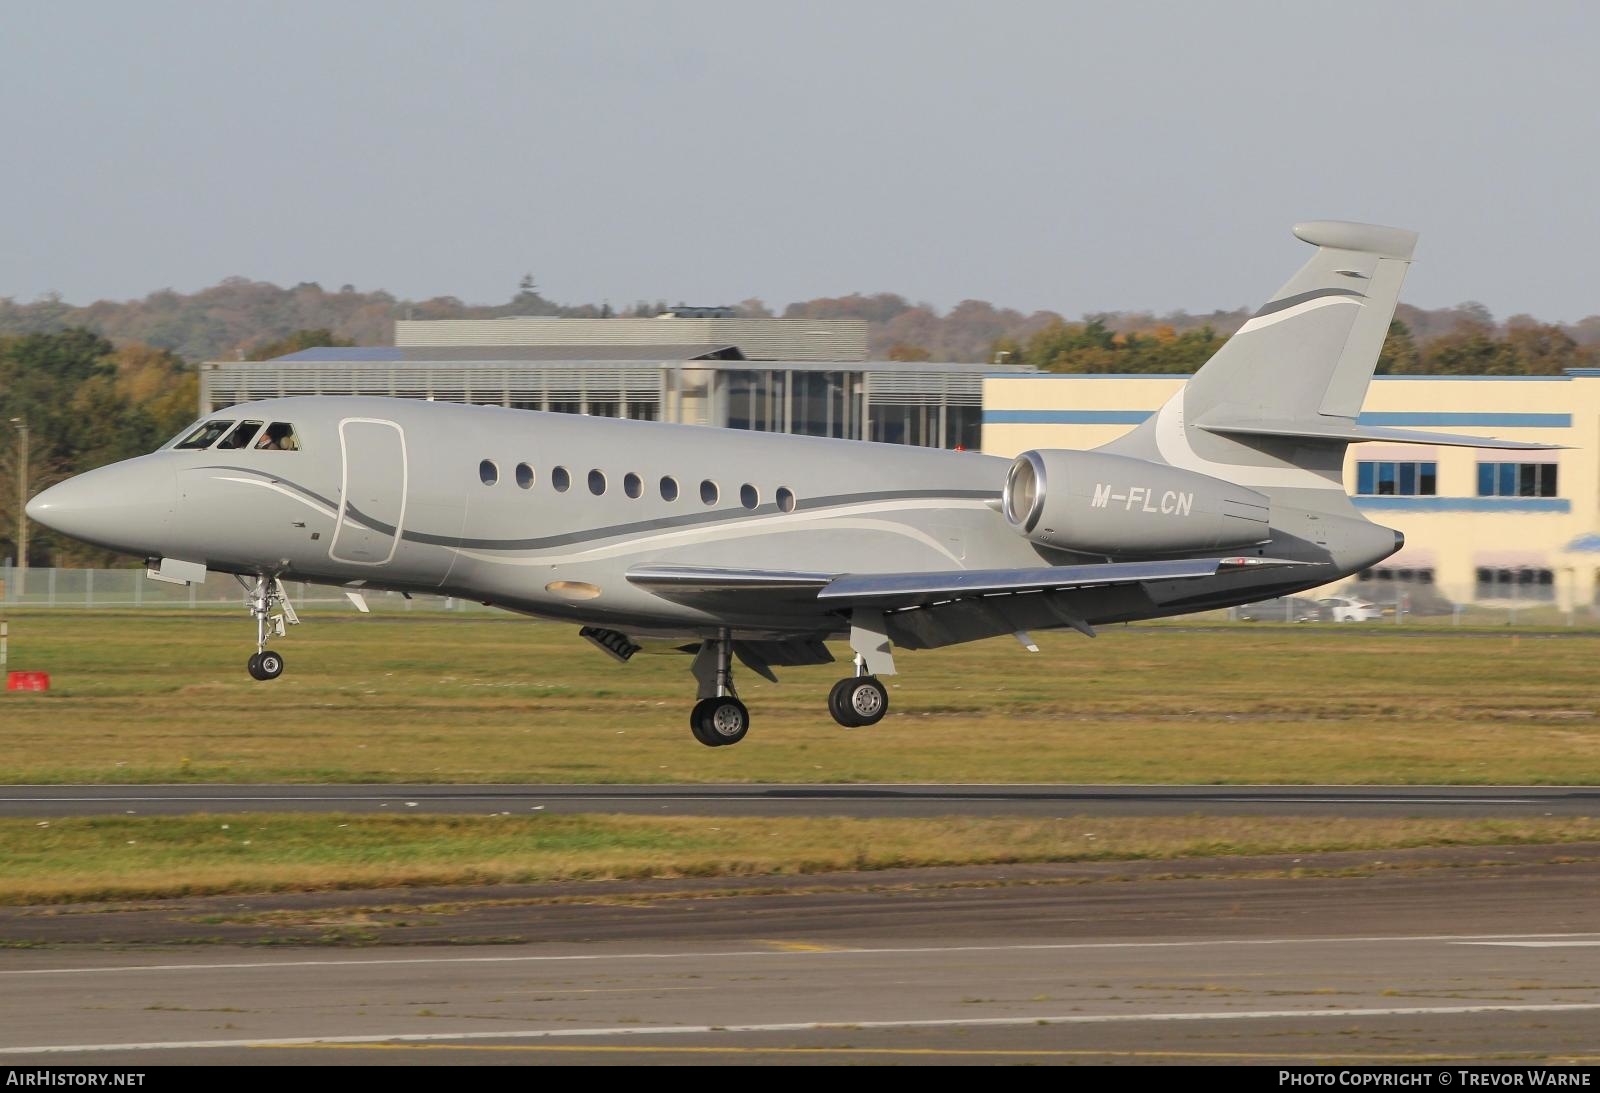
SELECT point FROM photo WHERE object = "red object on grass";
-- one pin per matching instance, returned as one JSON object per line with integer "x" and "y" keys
{"x": 27, "y": 681}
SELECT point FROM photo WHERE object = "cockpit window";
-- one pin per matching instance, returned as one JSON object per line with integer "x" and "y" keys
{"x": 204, "y": 435}
{"x": 279, "y": 437}
{"x": 241, "y": 437}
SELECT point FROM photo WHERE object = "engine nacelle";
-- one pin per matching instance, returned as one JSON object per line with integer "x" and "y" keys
{"x": 1115, "y": 505}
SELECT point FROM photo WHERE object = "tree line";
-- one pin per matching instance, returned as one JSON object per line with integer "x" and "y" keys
{"x": 243, "y": 319}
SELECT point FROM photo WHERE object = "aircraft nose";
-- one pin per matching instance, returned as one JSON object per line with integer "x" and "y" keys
{"x": 126, "y": 506}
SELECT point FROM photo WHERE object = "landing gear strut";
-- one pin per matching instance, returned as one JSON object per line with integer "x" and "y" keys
{"x": 719, "y": 718}
{"x": 858, "y": 700}
{"x": 861, "y": 700}
{"x": 270, "y": 607}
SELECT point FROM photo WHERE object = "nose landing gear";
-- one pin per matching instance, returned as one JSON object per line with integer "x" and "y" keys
{"x": 266, "y": 665}
{"x": 274, "y": 614}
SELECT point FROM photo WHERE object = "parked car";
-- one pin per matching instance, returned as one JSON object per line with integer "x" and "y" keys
{"x": 1349, "y": 609}
{"x": 1283, "y": 609}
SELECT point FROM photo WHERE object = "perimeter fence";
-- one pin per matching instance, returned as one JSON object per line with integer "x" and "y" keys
{"x": 1533, "y": 598}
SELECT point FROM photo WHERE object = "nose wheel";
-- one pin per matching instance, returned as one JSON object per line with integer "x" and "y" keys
{"x": 858, "y": 701}
{"x": 274, "y": 614}
{"x": 266, "y": 665}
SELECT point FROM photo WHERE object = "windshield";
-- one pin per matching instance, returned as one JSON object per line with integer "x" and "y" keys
{"x": 240, "y": 437}
{"x": 204, "y": 435}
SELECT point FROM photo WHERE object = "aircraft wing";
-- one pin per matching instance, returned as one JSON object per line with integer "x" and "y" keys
{"x": 895, "y": 591}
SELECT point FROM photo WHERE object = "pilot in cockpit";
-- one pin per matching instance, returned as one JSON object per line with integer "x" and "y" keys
{"x": 278, "y": 437}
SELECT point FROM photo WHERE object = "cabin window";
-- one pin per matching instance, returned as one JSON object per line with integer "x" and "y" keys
{"x": 524, "y": 476}
{"x": 709, "y": 492}
{"x": 669, "y": 488}
{"x": 748, "y": 496}
{"x": 632, "y": 485}
{"x": 278, "y": 437}
{"x": 785, "y": 499}
{"x": 488, "y": 473}
{"x": 205, "y": 435}
{"x": 241, "y": 437}
{"x": 597, "y": 482}
{"x": 560, "y": 479}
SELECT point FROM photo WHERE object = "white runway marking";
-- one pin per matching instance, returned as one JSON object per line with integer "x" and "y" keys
{"x": 1537, "y": 944}
{"x": 790, "y": 954}
{"x": 806, "y": 1026}
{"x": 807, "y": 797}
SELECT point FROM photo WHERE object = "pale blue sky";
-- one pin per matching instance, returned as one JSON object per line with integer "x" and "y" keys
{"x": 1072, "y": 156}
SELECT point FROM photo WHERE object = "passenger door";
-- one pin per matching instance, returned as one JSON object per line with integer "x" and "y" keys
{"x": 372, "y": 492}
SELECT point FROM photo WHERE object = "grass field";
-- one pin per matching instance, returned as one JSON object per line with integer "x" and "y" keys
{"x": 119, "y": 858}
{"x": 151, "y": 697}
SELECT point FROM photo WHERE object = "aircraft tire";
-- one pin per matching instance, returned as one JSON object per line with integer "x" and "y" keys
{"x": 269, "y": 665}
{"x": 839, "y": 706}
{"x": 867, "y": 700}
{"x": 254, "y": 666}
{"x": 721, "y": 721}
{"x": 695, "y": 723}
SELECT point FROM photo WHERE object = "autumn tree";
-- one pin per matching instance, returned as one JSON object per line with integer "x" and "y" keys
{"x": 85, "y": 404}
{"x": 293, "y": 343}
{"x": 1399, "y": 356}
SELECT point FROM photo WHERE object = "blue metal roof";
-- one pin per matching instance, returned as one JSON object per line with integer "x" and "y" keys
{"x": 342, "y": 353}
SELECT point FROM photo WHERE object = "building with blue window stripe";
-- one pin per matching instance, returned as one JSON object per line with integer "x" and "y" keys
{"x": 1480, "y": 524}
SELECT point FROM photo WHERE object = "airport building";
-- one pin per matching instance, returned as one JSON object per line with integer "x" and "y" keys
{"x": 773, "y": 375}
{"x": 1481, "y": 526}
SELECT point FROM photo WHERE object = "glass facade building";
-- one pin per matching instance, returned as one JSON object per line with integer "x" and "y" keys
{"x": 933, "y": 405}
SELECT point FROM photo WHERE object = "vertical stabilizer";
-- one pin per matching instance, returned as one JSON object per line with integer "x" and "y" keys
{"x": 1310, "y": 351}
{"x": 1301, "y": 364}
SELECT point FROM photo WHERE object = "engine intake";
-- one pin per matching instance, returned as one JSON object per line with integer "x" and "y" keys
{"x": 1115, "y": 505}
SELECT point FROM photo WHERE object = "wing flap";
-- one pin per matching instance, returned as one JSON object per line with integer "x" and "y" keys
{"x": 919, "y": 589}
{"x": 718, "y": 579}
{"x": 757, "y": 588}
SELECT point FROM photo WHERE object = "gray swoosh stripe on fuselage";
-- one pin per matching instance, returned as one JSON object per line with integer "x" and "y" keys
{"x": 282, "y": 481}
{"x": 691, "y": 519}
{"x": 687, "y": 520}
{"x": 1301, "y": 297}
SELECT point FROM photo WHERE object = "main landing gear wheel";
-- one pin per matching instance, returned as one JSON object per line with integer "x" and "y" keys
{"x": 719, "y": 721}
{"x": 858, "y": 701}
{"x": 266, "y": 665}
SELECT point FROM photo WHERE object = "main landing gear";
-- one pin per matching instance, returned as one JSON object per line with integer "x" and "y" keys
{"x": 861, "y": 700}
{"x": 858, "y": 700}
{"x": 719, "y": 717}
{"x": 270, "y": 607}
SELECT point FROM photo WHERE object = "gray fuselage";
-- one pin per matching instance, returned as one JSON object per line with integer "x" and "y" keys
{"x": 465, "y": 500}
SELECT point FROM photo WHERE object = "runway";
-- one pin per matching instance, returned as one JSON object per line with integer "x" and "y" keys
{"x": 819, "y": 800}
{"x": 1496, "y": 962}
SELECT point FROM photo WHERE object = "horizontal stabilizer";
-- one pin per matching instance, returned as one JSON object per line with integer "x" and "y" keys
{"x": 1340, "y": 430}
